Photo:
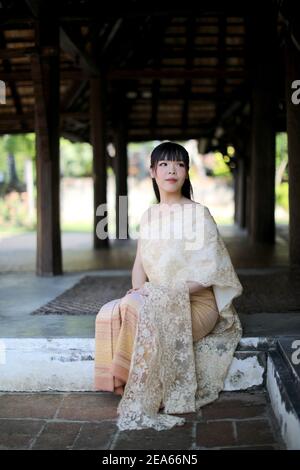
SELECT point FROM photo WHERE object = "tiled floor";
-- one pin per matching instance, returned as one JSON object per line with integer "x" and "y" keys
{"x": 21, "y": 291}
{"x": 237, "y": 420}
{"x": 18, "y": 252}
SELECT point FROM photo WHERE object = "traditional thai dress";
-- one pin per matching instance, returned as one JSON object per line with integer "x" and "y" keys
{"x": 170, "y": 347}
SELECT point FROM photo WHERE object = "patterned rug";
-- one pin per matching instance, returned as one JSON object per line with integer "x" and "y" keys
{"x": 263, "y": 293}
{"x": 277, "y": 292}
{"x": 87, "y": 296}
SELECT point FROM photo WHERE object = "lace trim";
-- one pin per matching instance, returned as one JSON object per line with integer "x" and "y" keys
{"x": 162, "y": 366}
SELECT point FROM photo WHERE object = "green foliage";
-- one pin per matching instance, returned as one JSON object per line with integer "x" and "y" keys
{"x": 220, "y": 168}
{"x": 75, "y": 158}
{"x": 282, "y": 185}
{"x": 14, "y": 212}
{"x": 282, "y": 195}
{"x": 281, "y": 148}
{"x": 22, "y": 146}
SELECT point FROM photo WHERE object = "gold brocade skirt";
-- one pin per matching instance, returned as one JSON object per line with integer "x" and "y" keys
{"x": 204, "y": 312}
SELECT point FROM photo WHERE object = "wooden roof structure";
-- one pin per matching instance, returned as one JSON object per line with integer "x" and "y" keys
{"x": 178, "y": 71}
{"x": 219, "y": 72}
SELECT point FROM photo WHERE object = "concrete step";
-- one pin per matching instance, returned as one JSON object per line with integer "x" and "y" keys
{"x": 67, "y": 364}
{"x": 283, "y": 385}
{"x": 289, "y": 349}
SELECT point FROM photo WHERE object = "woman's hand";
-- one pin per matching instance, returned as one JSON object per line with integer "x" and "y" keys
{"x": 194, "y": 287}
{"x": 132, "y": 290}
{"x": 141, "y": 290}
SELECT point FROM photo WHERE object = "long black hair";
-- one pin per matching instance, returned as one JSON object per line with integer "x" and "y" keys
{"x": 176, "y": 152}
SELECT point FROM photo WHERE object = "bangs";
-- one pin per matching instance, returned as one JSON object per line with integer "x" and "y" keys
{"x": 171, "y": 156}
{"x": 169, "y": 151}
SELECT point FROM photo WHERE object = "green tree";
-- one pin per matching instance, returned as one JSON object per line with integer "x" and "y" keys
{"x": 281, "y": 178}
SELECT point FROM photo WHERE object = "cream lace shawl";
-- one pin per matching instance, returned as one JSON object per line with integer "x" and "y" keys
{"x": 166, "y": 366}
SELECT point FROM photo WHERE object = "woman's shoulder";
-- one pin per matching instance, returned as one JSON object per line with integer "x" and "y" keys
{"x": 197, "y": 205}
{"x": 147, "y": 214}
{"x": 155, "y": 209}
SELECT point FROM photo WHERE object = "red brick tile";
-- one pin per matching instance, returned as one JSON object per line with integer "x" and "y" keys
{"x": 254, "y": 432}
{"x": 18, "y": 433}
{"x": 177, "y": 438}
{"x": 215, "y": 434}
{"x": 57, "y": 435}
{"x": 95, "y": 436}
{"x": 89, "y": 407}
{"x": 29, "y": 405}
{"x": 233, "y": 410}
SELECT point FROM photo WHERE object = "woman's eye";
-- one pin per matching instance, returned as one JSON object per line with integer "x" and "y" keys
{"x": 164, "y": 163}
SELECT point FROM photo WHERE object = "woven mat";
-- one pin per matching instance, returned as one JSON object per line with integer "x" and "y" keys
{"x": 87, "y": 296}
{"x": 267, "y": 293}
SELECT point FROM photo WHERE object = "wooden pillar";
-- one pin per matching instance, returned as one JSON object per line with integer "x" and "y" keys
{"x": 293, "y": 134}
{"x": 121, "y": 172}
{"x": 262, "y": 226}
{"x": 240, "y": 196}
{"x": 242, "y": 143}
{"x": 248, "y": 203}
{"x": 235, "y": 194}
{"x": 99, "y": 141}
{"x": 45, "y": 75}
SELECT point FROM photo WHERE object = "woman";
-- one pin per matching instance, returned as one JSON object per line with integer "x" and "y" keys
{"x": 168, "y": 343}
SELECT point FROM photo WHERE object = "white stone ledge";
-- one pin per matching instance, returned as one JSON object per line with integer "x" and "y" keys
{"x": 67, "y": 364}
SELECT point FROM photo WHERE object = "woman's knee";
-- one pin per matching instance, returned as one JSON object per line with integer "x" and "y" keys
{"x": 105, "y": 310}
{"x": 204, "y": 325}
{"x": 134, "y": 299}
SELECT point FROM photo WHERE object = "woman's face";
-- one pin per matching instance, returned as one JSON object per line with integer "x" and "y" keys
{"x": 167, "y": 170}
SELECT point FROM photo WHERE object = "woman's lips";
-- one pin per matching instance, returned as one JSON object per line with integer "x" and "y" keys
{"x": 172, "y": 181}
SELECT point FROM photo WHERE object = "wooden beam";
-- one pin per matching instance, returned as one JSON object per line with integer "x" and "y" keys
{"x": 17, "y": 52}
{"x": 154, "y": 103}
{"x": 240, "y": 196}
{"x": 136, "y": 74}
{"x": 189, "y": 53}
{"x": 121, "y": 165}
{"x": 163, "y": 133}
{"x": 98, "y": 129}
{"x": 45, "y": 75}
{"x": 173, "y": 72}
{"x": 263, "y": 36}
{"x": 242, "y": 154}
{"x": 72, "y": 94}
{"x": 73, "y": 44}
{"x": 15, "y": 118}
{"x": 221, "y": 63}
{"x": 156, "y": 83}
{"x": 25, "y": 75}
{"x": 112, "y": 35}
{"x": 14, "y": 92}
{"x": 88, "y": 10}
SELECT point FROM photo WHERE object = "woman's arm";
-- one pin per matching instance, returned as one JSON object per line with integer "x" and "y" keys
{"x": 138, "y": 275}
